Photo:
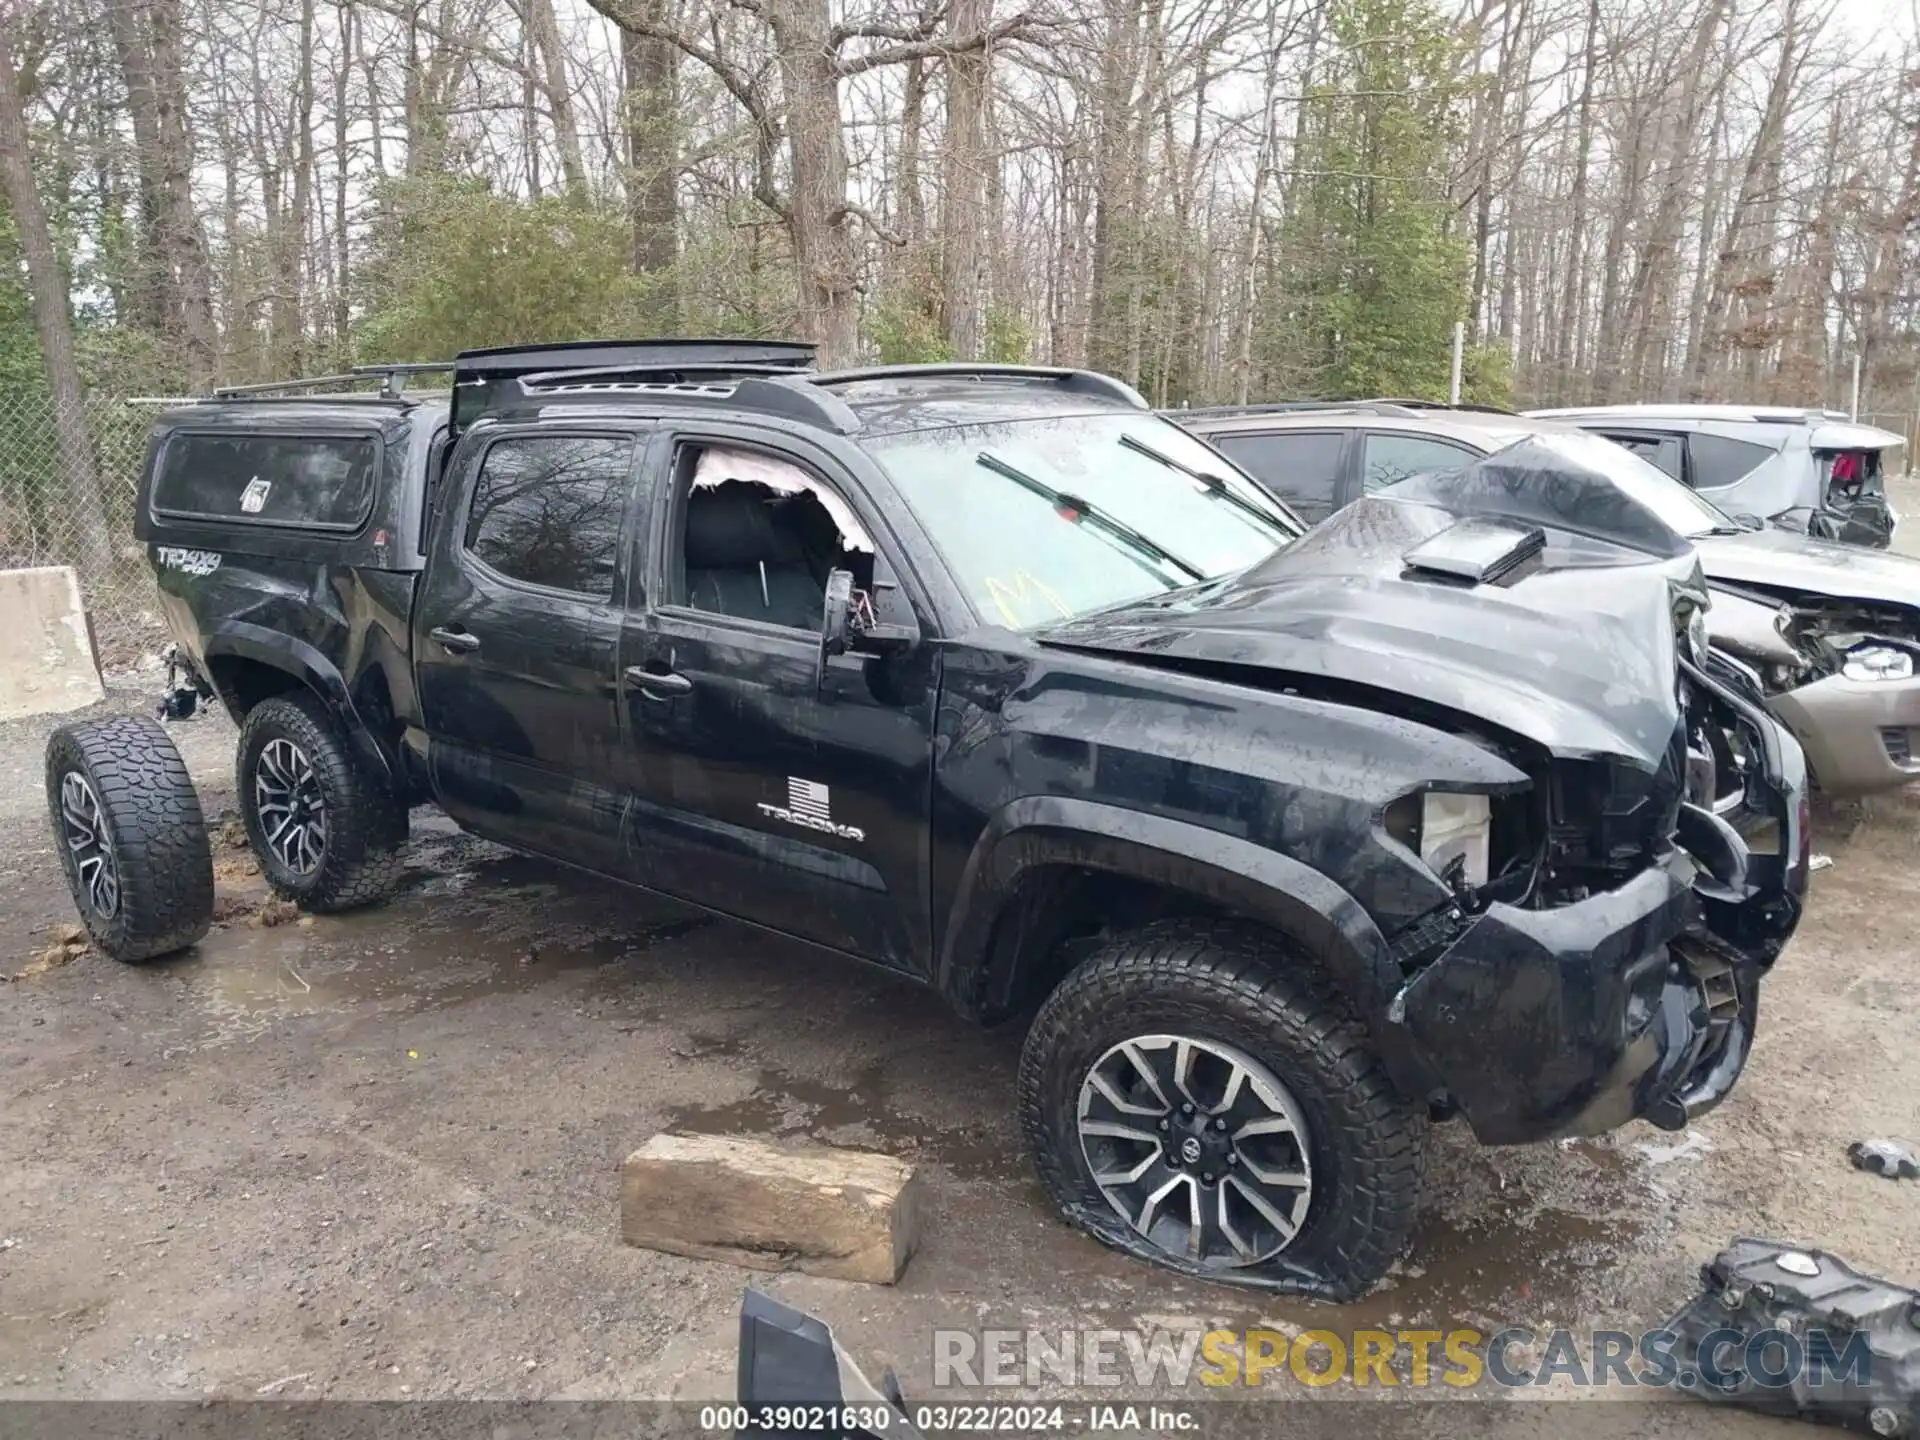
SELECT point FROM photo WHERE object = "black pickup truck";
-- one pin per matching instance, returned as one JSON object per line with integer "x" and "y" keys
{"x": 991, "y": 676}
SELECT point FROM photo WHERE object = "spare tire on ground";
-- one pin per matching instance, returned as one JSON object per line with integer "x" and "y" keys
{"x": 131, "y": 837}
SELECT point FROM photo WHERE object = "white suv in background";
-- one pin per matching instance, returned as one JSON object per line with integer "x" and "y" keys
{"x": 1809, "y": 470}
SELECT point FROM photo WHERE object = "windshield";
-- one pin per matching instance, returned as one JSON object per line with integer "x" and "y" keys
{"x": 1679, "y": 509}
{"x": 1049, "y": 518}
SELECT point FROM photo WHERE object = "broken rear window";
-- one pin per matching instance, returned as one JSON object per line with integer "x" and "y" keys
{"x": 306, "y": 482}
{"x": 1850, "y": 473}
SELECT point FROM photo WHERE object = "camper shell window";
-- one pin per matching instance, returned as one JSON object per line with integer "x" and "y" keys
{"x": 302, "y": 482}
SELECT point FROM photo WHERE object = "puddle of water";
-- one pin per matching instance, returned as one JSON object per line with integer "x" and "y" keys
{"x": 495, "y": 924}
{"x": 1693, "y": 1145}
{"x": 1520, "y": 1268}
{"x": 784, "y": 1106}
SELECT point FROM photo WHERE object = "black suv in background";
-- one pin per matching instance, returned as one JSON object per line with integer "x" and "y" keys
{"x": 993, "y": 677}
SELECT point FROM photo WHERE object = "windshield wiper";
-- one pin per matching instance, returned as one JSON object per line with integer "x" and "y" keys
{"x": 1215, "y": 485}
{"x": 1130, "y": 538}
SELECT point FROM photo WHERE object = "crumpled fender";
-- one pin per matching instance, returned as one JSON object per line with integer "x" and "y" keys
{"x": 1235, "y": 874}
{"x": 306, "y": 664}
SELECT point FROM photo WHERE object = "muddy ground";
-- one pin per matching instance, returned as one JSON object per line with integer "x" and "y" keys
{"x": 374, "y": 1156}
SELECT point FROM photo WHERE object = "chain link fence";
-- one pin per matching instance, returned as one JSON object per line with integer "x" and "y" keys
{"x": 67, "y": 483}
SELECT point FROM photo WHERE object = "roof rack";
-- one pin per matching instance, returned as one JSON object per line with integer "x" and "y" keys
{"x": 392, "y": 380}
{"x": 485, "y": 379}
{"x": 1441, "y": 405}
{"x": 770, "y": 382}
{"x": 769, "y": 389}
{"x": 649, "y": 374}
{"x": 503, "y": 360}
{"x": 1379, "y": 406}
{"x": 1270, "y": 407}
{"x": 1082, "y": 382}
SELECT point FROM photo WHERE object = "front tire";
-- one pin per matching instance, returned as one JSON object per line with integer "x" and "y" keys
{"x": 1195, "y": 1092}
{"x": 131, "y": 837}
{"x": 327, "y": 833}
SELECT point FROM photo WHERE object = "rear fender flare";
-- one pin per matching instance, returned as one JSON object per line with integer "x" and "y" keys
{"x": 1230, "y": 873}
{"x": 295, "y": 657}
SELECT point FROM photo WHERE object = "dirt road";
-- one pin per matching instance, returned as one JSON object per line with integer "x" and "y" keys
{"x": 375, "y": 1155}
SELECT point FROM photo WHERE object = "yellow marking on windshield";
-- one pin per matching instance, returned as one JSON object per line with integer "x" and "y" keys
{"x": 1007, "y": 596}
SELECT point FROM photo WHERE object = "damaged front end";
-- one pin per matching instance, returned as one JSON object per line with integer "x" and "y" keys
{"x": 1621, "y": 965}
{"x": 1615, "y": 930}
{"x": 1842, "y": 673}
{"x": 1605, "y": 843}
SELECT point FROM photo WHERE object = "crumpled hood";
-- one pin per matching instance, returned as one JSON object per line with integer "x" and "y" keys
{"x": 1782, "y": 560}
{"x": 1577, "y": 655}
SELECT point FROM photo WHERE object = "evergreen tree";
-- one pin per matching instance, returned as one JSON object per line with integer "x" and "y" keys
{"x": 1370, "y": 273}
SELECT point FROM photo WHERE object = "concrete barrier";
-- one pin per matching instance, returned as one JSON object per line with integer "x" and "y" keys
{"x": 46, "y": 650}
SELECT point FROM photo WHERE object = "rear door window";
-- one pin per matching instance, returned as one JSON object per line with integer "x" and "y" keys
{"x": 1719, "y": 461}
{"x": 1302, "y": 467}
{"x": 1391, "y": 458}
{"x": 547, "y": 510}
{"x": 306, "y": 482}
{"x": 1850, "y": 473}
{"x": 1664, "y": 451}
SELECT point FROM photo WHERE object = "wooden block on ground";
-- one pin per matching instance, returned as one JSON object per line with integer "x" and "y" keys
{"x": 843, "y": 1214}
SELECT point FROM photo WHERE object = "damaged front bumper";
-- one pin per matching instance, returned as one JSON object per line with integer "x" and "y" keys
{"x": 1860, "y": 735}
{"x": 1638, "y": 1002}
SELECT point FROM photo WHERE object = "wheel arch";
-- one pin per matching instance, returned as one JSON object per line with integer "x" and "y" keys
{"x": 249, "y": 663}
{"x": 998, "y": 940}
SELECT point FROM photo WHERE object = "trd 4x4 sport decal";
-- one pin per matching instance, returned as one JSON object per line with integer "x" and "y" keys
{"x": 810, "y": 806}
{"x": 194, "y": 562}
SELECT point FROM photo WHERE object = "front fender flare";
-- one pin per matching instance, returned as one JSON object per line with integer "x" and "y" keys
{"x": 1228, "y": 872}
{"x": 295, "y": 657}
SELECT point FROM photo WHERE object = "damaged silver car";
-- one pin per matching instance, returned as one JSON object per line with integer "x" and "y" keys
{"x": 1832, "y": 630}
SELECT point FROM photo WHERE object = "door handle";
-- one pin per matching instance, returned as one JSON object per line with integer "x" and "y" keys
{"x": 458, "y": 642}
{"x": 658, "y": 683}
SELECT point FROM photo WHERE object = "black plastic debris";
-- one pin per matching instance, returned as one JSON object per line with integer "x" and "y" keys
{"x": 1884, "y": 1157}
{"x": 1799, "y": 1332}
{"x": 793, "y": 1379}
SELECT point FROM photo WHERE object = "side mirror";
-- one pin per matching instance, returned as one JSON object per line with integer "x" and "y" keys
{"x": 837, "y": 614}
{"x": 848, "y": 625}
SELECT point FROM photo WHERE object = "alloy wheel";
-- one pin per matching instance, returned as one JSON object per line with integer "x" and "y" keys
{"x": 289, "y": 806}
{"x": 1198, "y": 1147}
{"x": 85, "y": 828}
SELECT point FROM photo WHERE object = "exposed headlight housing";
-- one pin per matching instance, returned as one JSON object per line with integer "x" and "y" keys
{"x": 1697, "y": 637}
{"x": 1877, "y": 662}
{"x": 1456, "y": 837}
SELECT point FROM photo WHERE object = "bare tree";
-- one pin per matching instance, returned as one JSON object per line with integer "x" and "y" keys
{"x": 47, "y": 285}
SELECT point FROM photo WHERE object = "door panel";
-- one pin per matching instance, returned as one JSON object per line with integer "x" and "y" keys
{"x": 768, "y": 788}
{"x": 517, "y": 677}
{"x": 800, "y": 810}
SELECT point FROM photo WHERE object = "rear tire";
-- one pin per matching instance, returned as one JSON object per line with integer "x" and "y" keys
{"x": 1267, "y": 1116}
{"x": 131, "y": 837}
{"x": 328, "y": 833}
